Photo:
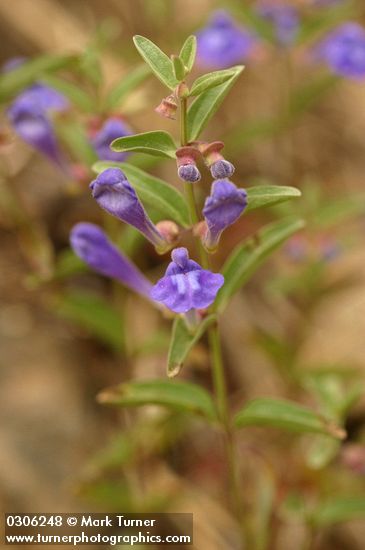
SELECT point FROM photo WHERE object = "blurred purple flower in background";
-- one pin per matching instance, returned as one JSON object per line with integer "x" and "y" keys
{"x": 31, "y": 123}
{"x": 29, "y": 115}
{"x": 186, "y": 285}
{"x": 284, "y": 18}
{"x": 222, "y": 208}
{"x": 343, "y": 50}
{"x": 114, "y": 193}
{"x": 91, "y": 244}
{"x": 112, "y": 129}
{"x": 223, "y": 42}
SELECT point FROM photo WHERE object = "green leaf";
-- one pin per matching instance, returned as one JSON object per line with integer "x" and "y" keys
{"x": 74, "y": 135}
{"x": 204, "y": 106}
{"x": 90, "y": 66}
{"x": 338, "y": 211}
{"x": 126, "y": 85}
{"x": 322, "y": 451}
{"x": 268, "y": 195}
{"x": 210, "y": 80}
{"x": 178, "y": 66}
{"x": 287, "y": 415}
{"x": 14, "y": 81}
{"x": 188, "y": 52}
{"x": 246, "y": 258}
{"x": 339, "y": 509}
{"x": 154, "y": 143}
{"x": 334, "y": 392}
{"x": 178, "y": 395}
{"x": 93, "y": 314}
{"x": 153, "y": 191}
{"x": 160, "y": 64}
{"x": 73, "y": 91}
{"x": 182, "y": 341}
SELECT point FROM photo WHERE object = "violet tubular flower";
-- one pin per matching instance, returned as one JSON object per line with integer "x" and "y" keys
{"x": 112, "y": 129}
{"x": 32, "y": 124}
{"x": 283, "y": 17}
{"x": 29, "y": 115}
{"x": 114, "y": 193}
{"x": 186, "y": 285}
{"x": 222, "y": 208}
{"x": 223, "y": 42}
{"x": 92, "y": 246}
{"x": 344, "y": 51}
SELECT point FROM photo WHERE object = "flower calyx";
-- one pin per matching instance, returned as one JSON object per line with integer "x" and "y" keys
{"x": 168, "y": 107}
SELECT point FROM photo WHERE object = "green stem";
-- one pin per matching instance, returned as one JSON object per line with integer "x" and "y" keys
{"x": 219, "y": 381}
{"x": 183, "y": 121}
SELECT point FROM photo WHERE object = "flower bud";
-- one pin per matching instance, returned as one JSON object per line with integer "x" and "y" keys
{"x": 186, "y": 164}
{"x": 222, "y": 169}
{"x": 189, "y": 172}
{"x": 167, "y": 107}
{"x": 219, "y": 167}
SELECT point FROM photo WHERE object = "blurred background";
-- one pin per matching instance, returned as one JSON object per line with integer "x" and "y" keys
{"x": 295, "y": 117}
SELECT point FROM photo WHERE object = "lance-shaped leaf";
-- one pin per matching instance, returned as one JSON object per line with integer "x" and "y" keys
{"x": 268, "y": 195}
{"x": 156, "y": 143}
{"x": 337, "y": 510}
{"x": 182, "y": 341}
{"x": 159, "y": 62}
{"x": 210, "y": 80}
{"x": 178, "y": 66}
{"x": 152, "y": 191}
{"x": 246, "y": 258}
{"x": 188, "y": 52}
{"x": 178, "y": 395}
{"x": 204, "y": 107}
{"x": 126, "y": 85}
{"x": 73, "y": 134}
{"x": 287, "y": 415}
{"x": 93, "y": 314}
{"x": 15, "y": 80}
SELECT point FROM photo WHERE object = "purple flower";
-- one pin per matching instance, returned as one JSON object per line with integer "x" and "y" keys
{"x": 344, "y": 51}
{"x": 91, "y": 244}
{"x": 112, "y": 129}
{"x": 13, "y": 63}
{"x": 222, "y": 169}
{"x": 223, "y": 42}
{"x": 284, "y": 18}
{"x": 189, "y": 173}
{"x": 186, "y": 285}
{"x": 222, "y": 208}
{"x": 115, "y": 194}
{"x": 46, "y": 97}
{"x": 29, "y": 115}
{"x": 33, "y": 126}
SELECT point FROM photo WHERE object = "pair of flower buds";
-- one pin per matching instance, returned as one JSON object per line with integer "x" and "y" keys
{"x": 222, "y": 208}
{"x": 188, "y": 156}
